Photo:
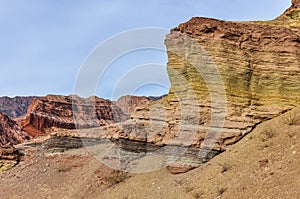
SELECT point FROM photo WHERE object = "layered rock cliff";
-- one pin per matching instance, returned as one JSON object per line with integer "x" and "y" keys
{"x": 58, "y": 111}
{"x": 226, "y": 78}
{"x": 291, "y": 16}
{"x": 11, "y": 132}
{"x": 129, "y": 103}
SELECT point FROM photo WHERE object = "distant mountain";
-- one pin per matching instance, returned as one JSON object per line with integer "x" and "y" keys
{"x": 15, "y": 107}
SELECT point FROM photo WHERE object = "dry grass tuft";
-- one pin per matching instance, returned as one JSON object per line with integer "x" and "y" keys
{"x": 225, "y": 167}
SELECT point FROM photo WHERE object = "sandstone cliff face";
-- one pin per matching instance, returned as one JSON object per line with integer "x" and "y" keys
{"x": 226, "y": 78}
{"x": 258, "y": 64}
{"x": 10, "y": 132}
{"x": 15, "y": 107}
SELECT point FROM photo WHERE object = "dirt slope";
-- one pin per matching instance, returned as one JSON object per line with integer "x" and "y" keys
{"x": 264, "y": 164}
{"x": 56, "y": 173}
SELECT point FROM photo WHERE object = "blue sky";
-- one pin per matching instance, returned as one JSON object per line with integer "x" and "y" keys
{"x": 44, "y": 42}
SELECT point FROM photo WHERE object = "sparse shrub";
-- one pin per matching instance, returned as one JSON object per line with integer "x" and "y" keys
{"x": 198, "y": 194}
{"x": 221, "y": 191}
{"x": 267, "y": 134}
{"x": 188, "y": 189}
{"x": 5, "y": 167}
{"x": 116, "y": 177}
{"x": 56, "y": 150}
{"x": 179, "y": 182}
{"x": 62, "y": 168}
{"x": 266, "y": 145}
{"x": 290, "y": 134}
{"x": 291, "y": 119}
{"x": 225, "y": 167}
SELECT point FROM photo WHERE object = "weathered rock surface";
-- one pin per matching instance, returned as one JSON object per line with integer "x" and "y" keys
{"x": 129, "y": 103}
{"x": 291, "y": 16}
{"x": 8, "y": 152}
{"x": 60, "y": 112}
{"x": 9, "y": 157}
{"x": 226, "y": 78}
{"x": 15, "y": 107}
{"x": 10, "y": 131}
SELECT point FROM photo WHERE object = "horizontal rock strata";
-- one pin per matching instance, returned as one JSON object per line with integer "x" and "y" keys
{"x": 61, "y": 111}
{"x": 226, "y": 78}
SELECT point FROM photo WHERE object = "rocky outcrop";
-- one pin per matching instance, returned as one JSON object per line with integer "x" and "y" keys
{"x": 15, "y": 107}
{"x": 9, "y": 157}
{"x": 58, "y": 111}
{"x": 10, "y": 132}
{"x": 226, "y": 78}
{"x": 291, "y": 16}
{"x": 258, "y": 66}
{"x": 129, "y": 103}
{"x": 9, "y": 153}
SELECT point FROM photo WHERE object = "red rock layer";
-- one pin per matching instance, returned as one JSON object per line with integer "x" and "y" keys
{"x": 129, "y": 103}
{"x": 70, "y": 112}
{"x": 10, "y": 132}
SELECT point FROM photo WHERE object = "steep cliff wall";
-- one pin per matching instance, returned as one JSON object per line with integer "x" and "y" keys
{"x": 58, "y": 111}
{"x": 10, "y": 132}
{"x": 226, "y": 78}
{"x": 258, "y": 64}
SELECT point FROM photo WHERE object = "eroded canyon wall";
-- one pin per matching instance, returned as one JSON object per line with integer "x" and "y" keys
{"x": 226, "y": 78}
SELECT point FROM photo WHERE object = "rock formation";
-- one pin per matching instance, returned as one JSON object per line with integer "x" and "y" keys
{"x": 129, "y": 103}
{"x": 9, "y": 153}
{"x": 58, "y": 111}
{"x": 291, "y": 16}
{"x": 15, "y": 107}
{"x": 226, "y": 78}
{"x": 9, "y": 157}
{"x": 10, "y": 132}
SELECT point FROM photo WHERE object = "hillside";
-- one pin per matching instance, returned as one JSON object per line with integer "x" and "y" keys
{"x": 264, "y": 164}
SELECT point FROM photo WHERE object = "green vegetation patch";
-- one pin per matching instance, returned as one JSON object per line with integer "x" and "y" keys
{"x": 294, "y": 15}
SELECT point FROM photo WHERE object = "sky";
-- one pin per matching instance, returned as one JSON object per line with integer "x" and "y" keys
{"x": 45, "y": 43}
